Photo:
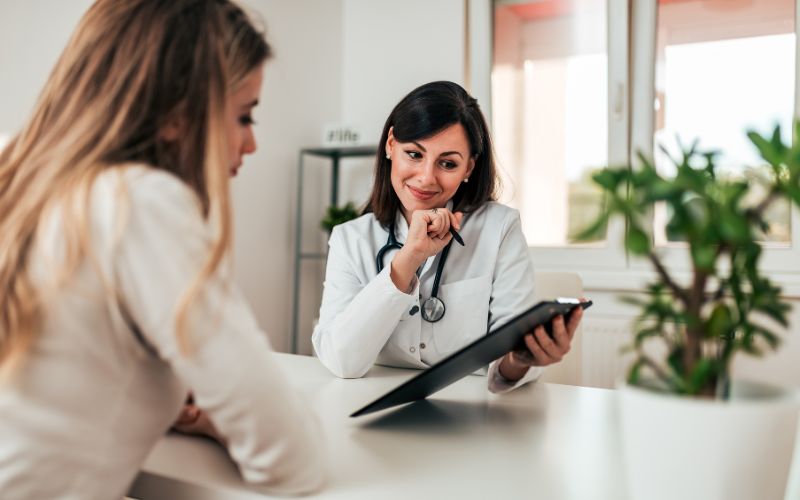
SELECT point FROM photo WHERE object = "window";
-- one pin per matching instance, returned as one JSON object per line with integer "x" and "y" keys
{"x": 579, "y": 84}
{"x": 550, "y": 112}
{"x": 721, "y": 69}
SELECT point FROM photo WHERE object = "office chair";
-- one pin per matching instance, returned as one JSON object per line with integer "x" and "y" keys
{"x": 548, "y": 286}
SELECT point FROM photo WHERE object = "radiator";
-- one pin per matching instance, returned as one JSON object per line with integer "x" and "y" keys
{"x": 602, "y": 363}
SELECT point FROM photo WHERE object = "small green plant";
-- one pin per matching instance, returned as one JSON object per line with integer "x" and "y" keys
{"x": 337, "y": 215}
{"x": 722, "y": 308}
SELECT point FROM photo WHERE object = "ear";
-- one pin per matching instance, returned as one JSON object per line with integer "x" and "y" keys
{"x": 172, "y": 129}
{"x": 470, "y": 166}
{"x": 390, "y": 141}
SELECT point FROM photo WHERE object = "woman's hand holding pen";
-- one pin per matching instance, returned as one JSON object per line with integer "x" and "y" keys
{"x": 428, "y": 233}
{"x": 543, "y": 349}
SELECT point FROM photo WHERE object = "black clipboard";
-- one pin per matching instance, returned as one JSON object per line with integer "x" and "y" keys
{"x": 474, "y": 356}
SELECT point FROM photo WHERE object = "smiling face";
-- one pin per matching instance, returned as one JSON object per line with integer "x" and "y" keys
{"x": 426, "y": 173}
{"x": 239, "y": 122}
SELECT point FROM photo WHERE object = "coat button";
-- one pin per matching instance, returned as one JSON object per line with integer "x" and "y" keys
{"x": 422, "y": 345}
{"x": 413, "y": 310}
{"x": 413, "y": 349}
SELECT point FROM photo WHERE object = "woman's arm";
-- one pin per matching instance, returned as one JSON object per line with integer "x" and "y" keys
{"x": 271, "y": 433}
{"x": 512, "y": 293}
{"x": 356, "y": 319}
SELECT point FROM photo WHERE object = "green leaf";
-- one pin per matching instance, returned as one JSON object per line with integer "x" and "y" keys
{"x": 609, "y": 179}
{"x": 766, "y": 149}
{"x": 634, "y": 373}
{"x": 720, "y": 323}
{"x": 675, "y": 360}
{"x": 704, "y": 256}
{"x": 769, "y": 336}
{"x": 637, "y": 241}
{"x": 338, "y": 215}
{"x": 703, "y": 374}
{"x": 596, "y": 230}
{"x": 733, "y": 227}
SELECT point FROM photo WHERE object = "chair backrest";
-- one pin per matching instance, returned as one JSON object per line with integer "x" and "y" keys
{"x": 550, "y": 285}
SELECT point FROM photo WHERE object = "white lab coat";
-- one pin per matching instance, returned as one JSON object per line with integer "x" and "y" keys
{"x": 364, "y": 319}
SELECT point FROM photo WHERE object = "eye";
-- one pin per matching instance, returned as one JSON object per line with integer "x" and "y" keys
{"x": 246, "y": 120}
{"x": 448, "y": 165}
{"x": 414, "y": 155}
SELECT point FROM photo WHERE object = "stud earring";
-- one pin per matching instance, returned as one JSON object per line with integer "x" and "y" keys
{"x": 466, "y": 180}
{"x": 388, "y": 156}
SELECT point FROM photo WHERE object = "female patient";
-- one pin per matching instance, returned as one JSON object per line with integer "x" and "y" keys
{"x": 398, "y": 291}
{"x": 114, "y": 238}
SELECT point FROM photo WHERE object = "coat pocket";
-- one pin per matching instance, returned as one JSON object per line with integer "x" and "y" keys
{"x": 466, "y": 316}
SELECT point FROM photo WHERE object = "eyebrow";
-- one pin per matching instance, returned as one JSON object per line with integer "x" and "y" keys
{"x": 446, "y": 153}
{"x": 252, "y": 104}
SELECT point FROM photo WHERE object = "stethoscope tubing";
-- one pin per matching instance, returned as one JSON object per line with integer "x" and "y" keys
{"x": 433, "y": 308}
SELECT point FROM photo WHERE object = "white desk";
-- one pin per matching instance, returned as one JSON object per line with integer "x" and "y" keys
{"x": 543, "y": 441}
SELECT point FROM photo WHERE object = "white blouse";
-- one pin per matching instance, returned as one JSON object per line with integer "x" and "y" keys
{"x": 364, "y": 319}
{"x": 105, "y": 379}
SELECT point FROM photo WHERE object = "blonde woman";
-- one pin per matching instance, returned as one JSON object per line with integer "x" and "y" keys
{"x": 114, "y": 236}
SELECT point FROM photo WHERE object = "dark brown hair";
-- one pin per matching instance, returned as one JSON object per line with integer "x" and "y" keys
{"x": 423, "y": 113}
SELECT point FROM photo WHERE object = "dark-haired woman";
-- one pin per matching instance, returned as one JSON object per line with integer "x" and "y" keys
{"x": 398, "y": 290}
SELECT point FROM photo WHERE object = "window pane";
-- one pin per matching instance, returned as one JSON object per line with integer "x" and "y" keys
{"x": 722, "y": 68}
{"x": 550, "y": 112}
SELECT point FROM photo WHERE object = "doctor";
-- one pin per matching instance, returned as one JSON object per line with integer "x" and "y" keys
{"x": 399, "y": 291}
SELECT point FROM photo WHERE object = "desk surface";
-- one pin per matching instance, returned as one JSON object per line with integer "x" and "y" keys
{"x": 541, "y": 441}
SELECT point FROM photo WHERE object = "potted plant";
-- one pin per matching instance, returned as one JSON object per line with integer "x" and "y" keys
{"x": 337, "y": 215}
{"x": 717, "y": 439}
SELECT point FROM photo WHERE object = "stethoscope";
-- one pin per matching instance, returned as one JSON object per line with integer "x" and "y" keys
{"x": 433, "y": 307}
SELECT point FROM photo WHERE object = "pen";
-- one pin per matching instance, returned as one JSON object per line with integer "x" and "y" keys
{"x": 456, "y": 236}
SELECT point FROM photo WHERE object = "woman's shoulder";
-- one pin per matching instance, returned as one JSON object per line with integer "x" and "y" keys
{"x": 137, "y": 196}
{"x": 363, "y": 226}
{"x": 143, "y": 186}
{"x": 142, "y": 179}
{"x": 495, "y": 212}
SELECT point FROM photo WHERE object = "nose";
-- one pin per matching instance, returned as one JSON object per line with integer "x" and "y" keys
{"x": 427, "y": 173}
{"x": 249, "y": 143}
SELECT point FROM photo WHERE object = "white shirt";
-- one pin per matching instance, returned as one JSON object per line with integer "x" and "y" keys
{"x": 92, "y": 398}
{"x": 364, "y": 319}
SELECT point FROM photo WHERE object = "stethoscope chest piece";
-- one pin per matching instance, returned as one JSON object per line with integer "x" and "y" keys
{"x": 432, "y": 309}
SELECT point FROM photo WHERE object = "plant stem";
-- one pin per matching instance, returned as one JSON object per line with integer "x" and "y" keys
{"x": 694, "y": 326}
{"x": 660, "y": 373}
{"x": 662, "y": 271}
{"x": 767, "y": 201}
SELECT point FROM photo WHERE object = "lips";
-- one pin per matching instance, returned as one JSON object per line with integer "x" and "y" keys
{"x": 420, "y": 194}
{"x": 235, "y": 170}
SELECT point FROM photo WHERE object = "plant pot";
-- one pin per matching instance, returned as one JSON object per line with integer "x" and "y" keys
{"x": 687, "y": 448}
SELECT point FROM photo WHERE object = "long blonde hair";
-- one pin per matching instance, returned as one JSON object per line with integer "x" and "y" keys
{"x": 130, "y": 67}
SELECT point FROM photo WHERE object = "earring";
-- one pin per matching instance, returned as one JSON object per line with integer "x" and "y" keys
{"x": 388, "y": 156}
{"x": 466, "y": 180}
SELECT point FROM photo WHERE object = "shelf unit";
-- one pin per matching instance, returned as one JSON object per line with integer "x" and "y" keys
{"x": 334, "y": 154}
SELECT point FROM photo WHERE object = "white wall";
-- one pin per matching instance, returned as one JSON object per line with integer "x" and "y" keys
{"x": 392, "y": 47}
{"x": 32, "y": 35}
{"x": 302, "y": 88}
